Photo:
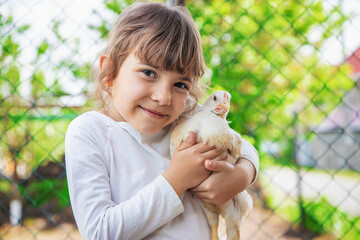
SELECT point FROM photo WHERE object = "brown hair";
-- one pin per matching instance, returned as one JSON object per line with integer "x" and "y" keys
{"x": 161, "y": 36}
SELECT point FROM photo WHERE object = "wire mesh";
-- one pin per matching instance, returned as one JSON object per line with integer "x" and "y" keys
{"x": 293, "y": 70}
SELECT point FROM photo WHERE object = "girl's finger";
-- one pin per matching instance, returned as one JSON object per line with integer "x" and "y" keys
{"x": 203, "y": 147}
{"x": 215, "y": 155}
{"x": 190, "y": 141}
{"x": 199, "y": 188}
{"x": 217, "y": 165}
{"x": 203, "y": 196}
{"x": 223, "y": 156}
{"x": 212, "y": 154}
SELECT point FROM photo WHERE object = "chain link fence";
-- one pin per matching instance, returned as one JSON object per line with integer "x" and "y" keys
{"x": 293, "y": 70}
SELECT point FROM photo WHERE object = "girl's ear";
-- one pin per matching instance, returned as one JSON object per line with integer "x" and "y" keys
{"x": 109, "y": 83}
{"x": 102, "y": 59}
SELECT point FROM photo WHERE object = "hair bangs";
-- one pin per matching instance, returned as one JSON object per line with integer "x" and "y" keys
{"x": 173, "y": 45}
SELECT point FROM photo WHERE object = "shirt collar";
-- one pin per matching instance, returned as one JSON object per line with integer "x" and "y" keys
{"x": 158, "y": 142}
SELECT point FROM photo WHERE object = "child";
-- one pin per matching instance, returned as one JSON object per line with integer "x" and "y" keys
{"x": 122, "y": 182}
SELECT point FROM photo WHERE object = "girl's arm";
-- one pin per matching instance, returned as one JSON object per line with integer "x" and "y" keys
{"x": 229, "y": 179}
{"x": 96, "y": 215}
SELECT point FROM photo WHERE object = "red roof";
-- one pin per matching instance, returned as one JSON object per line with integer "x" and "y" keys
{"x": 354, "y": 60}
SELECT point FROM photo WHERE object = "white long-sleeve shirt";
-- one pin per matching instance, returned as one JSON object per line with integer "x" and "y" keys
{"x": 116, "y": 187}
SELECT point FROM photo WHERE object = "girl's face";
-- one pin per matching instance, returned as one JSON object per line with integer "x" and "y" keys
{"x": 148, "y": 97}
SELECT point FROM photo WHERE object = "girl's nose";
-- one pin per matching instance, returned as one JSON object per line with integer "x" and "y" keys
{"x": 162, "y": 95}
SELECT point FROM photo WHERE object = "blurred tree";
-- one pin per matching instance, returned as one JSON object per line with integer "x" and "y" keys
{"x": 33, "y": 118}
{"x": 261, "y": 52}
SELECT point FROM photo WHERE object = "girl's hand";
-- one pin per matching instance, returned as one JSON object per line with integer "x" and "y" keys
{"x": 187, "y": 168}
{"x": 226, "y": 181}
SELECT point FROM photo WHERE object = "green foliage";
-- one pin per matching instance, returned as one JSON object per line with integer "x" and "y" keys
{"x": 38, "y": 84}
{"x": 79, "y": 71}
{"x": 103, "y": 29}
{"x": 5, "y": 187}
{"x": 320, "y": 215}
{"x": 32, "y": 124}
{"x": 12, "y": 76}
{"x": 255, "y": 51}
{"x": 117, "y": 6}
{"x": 55, "y": 28}
{"x": 10, "y": 48}
{"x": 43, "y": 191}
{"x": 42, "y": 48}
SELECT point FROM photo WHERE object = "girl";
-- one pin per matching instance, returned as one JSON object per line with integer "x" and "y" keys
{"x": 122, "y": 182}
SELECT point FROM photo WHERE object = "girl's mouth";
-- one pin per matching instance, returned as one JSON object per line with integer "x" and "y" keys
{"x": 153, "y": 113}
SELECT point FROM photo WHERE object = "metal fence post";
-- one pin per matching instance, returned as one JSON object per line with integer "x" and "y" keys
{"x": 298, "y": 173}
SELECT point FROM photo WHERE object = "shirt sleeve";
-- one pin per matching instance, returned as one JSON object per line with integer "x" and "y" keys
{"x": 249, "y": 152}
{"x": 96, "y": 215}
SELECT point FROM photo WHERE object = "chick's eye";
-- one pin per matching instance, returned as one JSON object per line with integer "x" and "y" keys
{"x": 215, "y": 98}
{"x": 149, "y": 73}
{"x": 181, "y": 85}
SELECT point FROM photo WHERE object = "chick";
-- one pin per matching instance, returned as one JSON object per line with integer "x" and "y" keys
{"x": 210, "y": 126}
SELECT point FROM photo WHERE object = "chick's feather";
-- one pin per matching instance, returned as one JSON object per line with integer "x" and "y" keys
{"x": 209, "y": 128}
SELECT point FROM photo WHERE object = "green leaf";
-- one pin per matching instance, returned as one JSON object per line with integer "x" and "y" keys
{"x": 10, "y": 48}
{"x": 42, "y": 48}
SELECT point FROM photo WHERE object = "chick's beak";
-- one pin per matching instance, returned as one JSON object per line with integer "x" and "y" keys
{"x": 223, "y": 106}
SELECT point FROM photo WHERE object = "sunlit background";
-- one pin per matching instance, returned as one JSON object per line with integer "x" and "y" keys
{"x": 292, "y": 68}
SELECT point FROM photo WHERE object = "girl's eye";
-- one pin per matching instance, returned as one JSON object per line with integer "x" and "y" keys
{"x": 149, "y": 73}
{"x": 181, "y": 85}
